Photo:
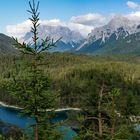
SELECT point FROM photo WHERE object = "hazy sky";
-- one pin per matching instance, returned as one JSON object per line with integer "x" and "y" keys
{"x": 82, "y": 15}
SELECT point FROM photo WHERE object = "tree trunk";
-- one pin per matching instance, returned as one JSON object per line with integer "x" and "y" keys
{"x": 113, "y": 118}
{"x": 100, "y": 125}
{"x": 100, "y": 114}
{"x": 36, "y": 132}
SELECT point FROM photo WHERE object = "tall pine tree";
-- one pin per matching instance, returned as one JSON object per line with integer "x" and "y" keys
{"x": 31, "y": 86}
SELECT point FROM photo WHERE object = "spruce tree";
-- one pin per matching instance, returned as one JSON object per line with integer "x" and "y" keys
{"x": 31, "y": 86}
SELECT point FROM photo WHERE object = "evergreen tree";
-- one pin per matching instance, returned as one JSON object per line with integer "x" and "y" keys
{"x": 31, "y": 86}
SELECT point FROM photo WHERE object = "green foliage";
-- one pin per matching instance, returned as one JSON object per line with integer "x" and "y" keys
{"x": 107, "y": 89}
{"x": 11, "y": 132}
{"x": 31, "y": 86}
{"x": 79, "y": 83}
{"x": 79, "y": 79}
{"x": 126, "y": 132}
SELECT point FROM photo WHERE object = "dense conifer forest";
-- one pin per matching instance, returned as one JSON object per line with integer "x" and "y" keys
{"x": 103, "y": 92}
{"x": 79, "y": 80}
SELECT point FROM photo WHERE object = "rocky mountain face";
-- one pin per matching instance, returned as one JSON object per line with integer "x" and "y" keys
{"x": 69, "y": 39}
{"x": 6, "y": 45}
{"x": 119, "y": 36}
{"x": 109, "y": 38}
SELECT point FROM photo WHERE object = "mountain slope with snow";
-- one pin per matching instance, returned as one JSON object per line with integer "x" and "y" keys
{"x": 119, "y": 36}
{"x": 69, "y": 39}
{"x": 107, "y": 37}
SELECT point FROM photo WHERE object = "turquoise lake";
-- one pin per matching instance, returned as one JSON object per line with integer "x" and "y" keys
{"x": 11, "y": 116}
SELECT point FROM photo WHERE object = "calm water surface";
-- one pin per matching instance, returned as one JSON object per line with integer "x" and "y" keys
{"x": 11, "y": 116}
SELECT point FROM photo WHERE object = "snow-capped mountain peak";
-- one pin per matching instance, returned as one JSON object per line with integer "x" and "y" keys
{"x": 55, "y": 32}
{"x": 120, "y": 21}
{"x": 69, "y": 39}
{"x": 119, "y": 26}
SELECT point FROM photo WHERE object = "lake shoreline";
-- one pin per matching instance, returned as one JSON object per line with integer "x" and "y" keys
{"x": 9, "y": 106}
{"x": 57, "y": 110}
{"x": 132, "y": 118}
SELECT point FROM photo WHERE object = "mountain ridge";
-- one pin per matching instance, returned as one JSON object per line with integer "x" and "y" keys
{"x": 69, "y": 38}
{"x": 119, "y": 36}
{"x": 117, "y": 30}
{"x": 7, "y": 45}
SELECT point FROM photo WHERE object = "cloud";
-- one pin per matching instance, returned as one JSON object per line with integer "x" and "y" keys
{"x": 135, "y": 16}
{"x": 84, "y": 24}
{"x": 132, "y": 5}
{"x": 20, "y": 29}
{"x": 83, "y": 29}
{"x": 53, "y": 22}
{"x": 91, "y": 19}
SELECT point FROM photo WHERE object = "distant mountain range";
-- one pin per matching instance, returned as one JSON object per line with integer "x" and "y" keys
{"x": 69, "y": 39}
{"x": 119, "y": 36}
